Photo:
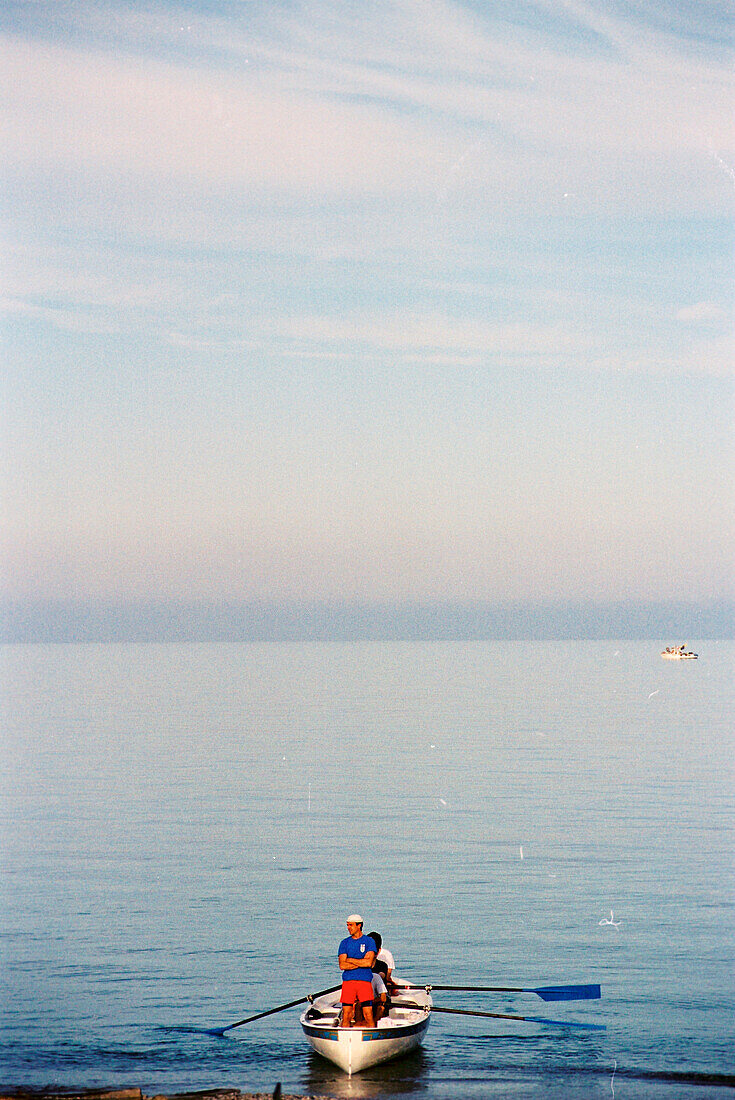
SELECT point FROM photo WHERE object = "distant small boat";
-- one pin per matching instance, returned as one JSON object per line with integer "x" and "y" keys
{"x": 678, "y": 653}
{"x": 356, "y": 1048}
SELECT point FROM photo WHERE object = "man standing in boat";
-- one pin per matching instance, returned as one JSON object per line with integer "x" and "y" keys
{"x": 356, "y": 957}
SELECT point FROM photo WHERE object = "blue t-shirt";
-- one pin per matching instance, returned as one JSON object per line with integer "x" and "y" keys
{"x": 356, "y": 949}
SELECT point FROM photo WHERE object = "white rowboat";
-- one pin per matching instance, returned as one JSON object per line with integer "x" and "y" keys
{"x": 678, "y": 653}
{"x": 356, "y": 1048}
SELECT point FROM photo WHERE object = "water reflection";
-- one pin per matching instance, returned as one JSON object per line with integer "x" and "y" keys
{"x": 409, "y": 1074}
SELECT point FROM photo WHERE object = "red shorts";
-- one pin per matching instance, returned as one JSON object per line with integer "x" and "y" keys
{"x": 352, "y": 991}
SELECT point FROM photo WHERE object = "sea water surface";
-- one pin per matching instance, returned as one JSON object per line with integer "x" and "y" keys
{"x": 185, "y": 829}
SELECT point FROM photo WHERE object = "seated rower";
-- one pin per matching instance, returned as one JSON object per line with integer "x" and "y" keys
{"x": 380, "y": 995}
{"x": 388, "y": 963}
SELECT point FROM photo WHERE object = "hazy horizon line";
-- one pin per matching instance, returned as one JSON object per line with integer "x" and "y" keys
{"x": 48, "y": 621}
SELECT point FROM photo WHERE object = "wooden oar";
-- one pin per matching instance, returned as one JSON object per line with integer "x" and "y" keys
{"x": 524, "y": 1019}
{"x": 545, "y": 992}
{"x": 271, "y": 1011}
{"x": 502, "y": 1016}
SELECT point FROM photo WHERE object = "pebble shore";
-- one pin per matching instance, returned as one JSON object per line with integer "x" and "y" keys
{"x": 137, "y": 1094}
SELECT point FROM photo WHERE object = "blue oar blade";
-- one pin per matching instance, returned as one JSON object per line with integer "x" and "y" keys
{"x": 569, "y": 992}
{"x": 566, "y": 1023}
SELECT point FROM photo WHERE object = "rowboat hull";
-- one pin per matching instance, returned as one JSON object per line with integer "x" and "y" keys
{"x": 354, "y": 1049}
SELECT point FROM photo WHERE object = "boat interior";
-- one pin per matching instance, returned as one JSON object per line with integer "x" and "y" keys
{"x": 328, "y": 1015}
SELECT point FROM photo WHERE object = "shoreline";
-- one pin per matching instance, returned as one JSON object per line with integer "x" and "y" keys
{"x": 53, "y": 1093}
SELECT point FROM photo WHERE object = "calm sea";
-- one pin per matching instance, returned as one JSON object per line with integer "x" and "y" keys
{"x": 185, "y": 828}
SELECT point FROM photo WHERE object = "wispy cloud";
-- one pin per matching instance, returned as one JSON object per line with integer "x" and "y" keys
{"x": 69, "y": 319}
{"x": 101, "y": 115}
{"x": 275, "y": 273}
{"x": 377, "y": 99}
{"x": 428, "y": 332}
{"x": 702, "y": 313}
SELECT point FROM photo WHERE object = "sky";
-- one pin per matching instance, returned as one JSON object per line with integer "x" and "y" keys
{"x": 398, "y": 301}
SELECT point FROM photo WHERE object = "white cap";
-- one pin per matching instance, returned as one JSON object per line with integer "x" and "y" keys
{"x": 355, "y": 918}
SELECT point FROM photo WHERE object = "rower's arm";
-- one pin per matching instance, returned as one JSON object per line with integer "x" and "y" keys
{"x": 345, "y": 963}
